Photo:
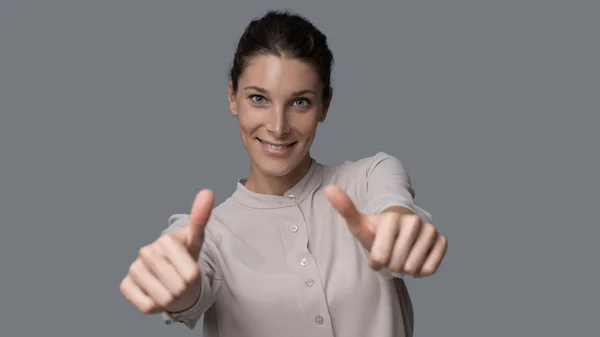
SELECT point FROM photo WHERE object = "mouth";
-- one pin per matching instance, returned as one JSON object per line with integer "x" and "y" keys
{"x": 277, "y": 148}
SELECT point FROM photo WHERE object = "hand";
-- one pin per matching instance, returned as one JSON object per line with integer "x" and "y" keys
{"x": 166, "y": 275}
{"x": 397, "y": 241}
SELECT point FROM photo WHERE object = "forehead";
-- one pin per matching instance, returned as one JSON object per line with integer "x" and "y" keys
{"x": 279, "y": 75}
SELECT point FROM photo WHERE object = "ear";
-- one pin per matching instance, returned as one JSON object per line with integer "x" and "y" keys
{"x": 231, "y": 98}
{"x": 326, "y": 104}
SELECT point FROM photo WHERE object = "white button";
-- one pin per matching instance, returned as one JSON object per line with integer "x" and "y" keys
{"x": 310, "y": 282}
{"x": 292, "y": 197}
{"x": 303, "y": 262}
{"x": 293, "y": 228}
{"x": 319, "y": 319}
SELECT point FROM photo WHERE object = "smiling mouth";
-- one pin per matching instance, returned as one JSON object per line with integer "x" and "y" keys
{"x": 275, "y": 146}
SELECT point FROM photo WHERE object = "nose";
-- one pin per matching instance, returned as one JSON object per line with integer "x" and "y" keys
{"x": 279, "y": 125}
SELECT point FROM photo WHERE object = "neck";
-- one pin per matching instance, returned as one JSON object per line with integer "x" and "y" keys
{"x": 263, "y": 184}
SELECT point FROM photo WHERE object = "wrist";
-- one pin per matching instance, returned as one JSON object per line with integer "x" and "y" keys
{"x": 186, "y": 301}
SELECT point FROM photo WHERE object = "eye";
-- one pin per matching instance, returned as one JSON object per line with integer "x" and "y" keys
{"x": 302, "y": 103}
{"x": 258, "y": 99}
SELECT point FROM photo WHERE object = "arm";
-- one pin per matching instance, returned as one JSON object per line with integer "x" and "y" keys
{"x": 388, "y": 189}
{"x": 209, "y": 283}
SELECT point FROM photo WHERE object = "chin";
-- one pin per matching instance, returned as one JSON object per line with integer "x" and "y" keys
{"x": 276, "y": 162}
{"x": 276, "y": 167}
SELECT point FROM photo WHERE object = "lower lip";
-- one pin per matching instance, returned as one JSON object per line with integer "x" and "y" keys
{"x": 277, "y": 152}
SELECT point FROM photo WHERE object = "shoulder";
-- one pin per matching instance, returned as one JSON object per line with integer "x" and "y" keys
{"x": 216, "y": 221}
{"x": 360, "y": 168}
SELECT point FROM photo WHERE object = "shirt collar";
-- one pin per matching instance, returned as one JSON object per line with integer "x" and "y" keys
{"x": 295, "y": 195}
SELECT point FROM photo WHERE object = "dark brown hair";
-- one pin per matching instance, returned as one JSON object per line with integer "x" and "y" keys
{"x": 284, "y": 34}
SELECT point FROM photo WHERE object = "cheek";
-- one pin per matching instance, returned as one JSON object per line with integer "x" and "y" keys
{"x": 248, "y": 121}
{"x": 245, "y": 127}
{"x": 307, "y": 127}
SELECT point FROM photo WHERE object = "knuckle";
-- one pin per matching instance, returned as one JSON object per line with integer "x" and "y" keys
{"x": 428, "y": 270}
{"x": 179, "y": 289}
{"x": 429, "y": 229}
{"x": 134, "y": 267}
{"x": 123, "y": 287}
{"x": 193, "y": 275}
{"x": 411, "y": 221}
{"x": 378, "y": 259}
{"x": 144, "y": 252}
{"x": 162, "y": 240}
{"x": 409, "y": 269}
{"x": 150, "y": 251}
{"x": 148, "y": 307}
{"x": 165, "y": 240}
{"x": 165, "y": 300}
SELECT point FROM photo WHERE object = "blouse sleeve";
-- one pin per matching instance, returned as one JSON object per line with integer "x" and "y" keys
{"x": 210, "y": 278}
{"x": 386, "y": 184}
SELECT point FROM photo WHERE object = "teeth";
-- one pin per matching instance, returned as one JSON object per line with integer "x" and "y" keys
{"x": 275, "y": 147}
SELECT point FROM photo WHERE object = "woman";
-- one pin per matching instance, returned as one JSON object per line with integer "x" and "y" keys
{"x": 300, "y": 248}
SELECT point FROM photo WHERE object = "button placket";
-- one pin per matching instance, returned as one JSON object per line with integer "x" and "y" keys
{"x": 307, "y": 272}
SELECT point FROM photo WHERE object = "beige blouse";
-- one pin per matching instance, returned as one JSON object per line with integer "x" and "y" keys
{"x": 275, "y": 266}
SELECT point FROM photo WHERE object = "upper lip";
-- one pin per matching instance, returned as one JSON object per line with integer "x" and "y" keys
{"x": 276, "y": 144}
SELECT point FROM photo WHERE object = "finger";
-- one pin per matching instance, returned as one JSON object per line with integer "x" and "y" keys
{"x": 156, "y": 259}
{"x": 149, "y": 284}
{"x": 409, "y": 230}
{"x": 383, "y": 244}
{"x": 199, "y": 215}
{"x": 179, "y": 258}
{"x": 421, "y": 249}
{"x": 434, "y": 259}
{"x": 342, "y": 203}
{"x": 134, "y": 294}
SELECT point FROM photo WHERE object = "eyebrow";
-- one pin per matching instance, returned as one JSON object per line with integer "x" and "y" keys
{"x": 297, "y": 93}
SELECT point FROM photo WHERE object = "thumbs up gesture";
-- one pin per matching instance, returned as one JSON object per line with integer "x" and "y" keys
{"x": 396, "y": 240}
{"x": 166, "y": 274}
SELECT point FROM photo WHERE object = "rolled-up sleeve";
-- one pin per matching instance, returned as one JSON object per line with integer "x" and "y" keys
{"x": 388, "y": 184}
{"x": 210, "y": 278}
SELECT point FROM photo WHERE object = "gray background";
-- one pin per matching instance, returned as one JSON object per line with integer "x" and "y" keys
{"x": 114, "y": 114}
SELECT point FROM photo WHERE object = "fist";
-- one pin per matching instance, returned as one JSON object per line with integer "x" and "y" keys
{"x": 166, "y": 275}
{"x": 397, "y": 240}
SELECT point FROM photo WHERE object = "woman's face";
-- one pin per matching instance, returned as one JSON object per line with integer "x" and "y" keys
{"x": 279, "y": 104}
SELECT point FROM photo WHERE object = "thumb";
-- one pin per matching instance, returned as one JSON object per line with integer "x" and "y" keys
{"x": 199, "y": 215}
{"x": 342, "y": 203}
